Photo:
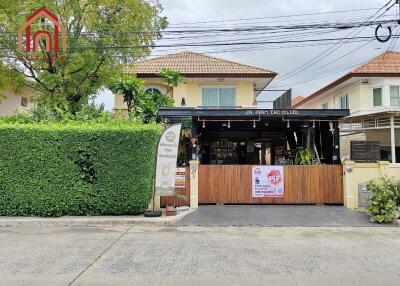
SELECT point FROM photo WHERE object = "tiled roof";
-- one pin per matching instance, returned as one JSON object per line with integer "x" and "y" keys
{"x": 197, "y": 64}
{"x": 297, "y": 99}
{"x": 384, "y": 65}
{"x": 388, "y": 63}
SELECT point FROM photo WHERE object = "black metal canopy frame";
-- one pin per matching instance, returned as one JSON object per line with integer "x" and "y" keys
{"x": 249, "y": 113}
{"x": 290, "y": 123}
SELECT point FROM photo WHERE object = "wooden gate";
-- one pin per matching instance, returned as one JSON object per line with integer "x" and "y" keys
{"x": 231, "y": 184}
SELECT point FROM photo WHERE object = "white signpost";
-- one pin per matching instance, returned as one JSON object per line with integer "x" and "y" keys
{"x": 167, "y": 153}
{"x": 268, "y": 182}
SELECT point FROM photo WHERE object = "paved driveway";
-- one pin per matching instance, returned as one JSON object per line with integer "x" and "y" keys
{"x": 275, "y": 215}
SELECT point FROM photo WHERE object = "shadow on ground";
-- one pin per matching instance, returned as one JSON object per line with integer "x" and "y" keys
{"x": 277, "y": 215}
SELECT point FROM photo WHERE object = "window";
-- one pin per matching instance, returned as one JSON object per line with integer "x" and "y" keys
{"x": 394, "y": 96}
{"x": 24, "y": 101}
{"x": 153, "y": 89}
{"x": 324, "y": 105}
{"x": 344, "y": 102}
{"x": 377, "y": 96}
{"x": 218, "y": 96}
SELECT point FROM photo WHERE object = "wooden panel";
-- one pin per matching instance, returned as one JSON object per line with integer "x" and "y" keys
{"x": 186, "y": 192}
{"x": 231, "y": 184}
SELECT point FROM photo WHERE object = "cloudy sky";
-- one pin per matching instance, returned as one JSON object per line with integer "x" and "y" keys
{"x": 335, "y": 58}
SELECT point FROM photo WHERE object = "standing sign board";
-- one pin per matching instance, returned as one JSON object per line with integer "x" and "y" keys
{"x": 268, "y": 182}
{"x": 180, "y": 179}
{"x": 167, "y": 153}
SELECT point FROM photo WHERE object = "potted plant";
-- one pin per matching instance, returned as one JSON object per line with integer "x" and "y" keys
{"x": 170, "y": 209}
{"x": 303, "y": 157}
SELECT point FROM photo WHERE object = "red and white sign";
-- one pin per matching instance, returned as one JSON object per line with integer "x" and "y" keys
{"x": 268, "y": 182}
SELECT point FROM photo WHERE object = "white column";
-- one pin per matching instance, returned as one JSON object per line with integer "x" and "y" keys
{"x": 393, "y": 139}
{"x": 194, "y": 184}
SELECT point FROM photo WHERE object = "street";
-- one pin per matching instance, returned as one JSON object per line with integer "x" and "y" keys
{"x": 134, "y": 255}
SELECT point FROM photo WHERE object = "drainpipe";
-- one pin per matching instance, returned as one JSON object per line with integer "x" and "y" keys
{"x": 393, "y": 139}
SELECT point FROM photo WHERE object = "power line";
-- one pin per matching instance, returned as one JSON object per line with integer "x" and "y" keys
{"x": 275, "y": 17}
{"x": 327, "y": 52}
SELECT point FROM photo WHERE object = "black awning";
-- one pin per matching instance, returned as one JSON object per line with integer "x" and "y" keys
{"x": 296, "y": 114}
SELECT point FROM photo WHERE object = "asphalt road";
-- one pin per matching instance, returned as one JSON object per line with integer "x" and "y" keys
{"x": 199, "y": 256}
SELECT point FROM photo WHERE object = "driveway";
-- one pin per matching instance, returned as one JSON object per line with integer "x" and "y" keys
{"x": 276, "y": 215}
{"x": 196, "y": 256}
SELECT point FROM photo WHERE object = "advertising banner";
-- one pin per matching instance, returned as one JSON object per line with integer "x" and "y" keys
{"x": 180, "y": 178}
{"x": 268, "y": 182}
{"x": 167, "y": 153}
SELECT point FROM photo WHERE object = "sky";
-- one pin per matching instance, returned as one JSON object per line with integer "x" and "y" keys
{"x": 335, "y": 59}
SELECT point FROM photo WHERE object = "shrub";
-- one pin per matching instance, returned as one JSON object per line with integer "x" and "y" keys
{"x": 76, "y": 168}
{"x": 42, "y": 114}
{"x": 382, "y": 204}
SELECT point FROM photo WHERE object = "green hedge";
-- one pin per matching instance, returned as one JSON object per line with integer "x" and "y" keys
{"x": 76, "y": 169}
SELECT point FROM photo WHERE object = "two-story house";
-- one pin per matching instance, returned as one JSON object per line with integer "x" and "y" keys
{"x": 218, "y": 96}
{"x": 372, "y": 93}
{"x": 209, "y": 81}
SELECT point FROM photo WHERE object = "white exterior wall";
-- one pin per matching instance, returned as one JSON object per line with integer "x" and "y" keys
{"x": 360, "y": 95}
{"x": 12, "y": 103}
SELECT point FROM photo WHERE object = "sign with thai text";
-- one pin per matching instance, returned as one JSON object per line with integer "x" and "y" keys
{"x": 167, "y": 153}
{"x": 180, "y": 178}
{"x": 268, "y": 182}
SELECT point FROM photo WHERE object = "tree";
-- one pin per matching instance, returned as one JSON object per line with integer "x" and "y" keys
{"x": 131, "y": 88}
{"x": 103, "y": 36}
{"x": 141, "y": 104}
{"x": 171, "y": 78}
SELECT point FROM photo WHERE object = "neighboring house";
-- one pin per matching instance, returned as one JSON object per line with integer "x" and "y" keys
{"x": 11, "y": 103}
{"x": 297, "y": 99}
{"x": 209, "y": 81}
{"x": 372, "y": 93}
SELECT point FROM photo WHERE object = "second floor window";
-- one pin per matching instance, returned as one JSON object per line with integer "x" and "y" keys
{"x": 344, "y": 102}
{"x": 218, "y": 96}
{"x": 377, "y": 96}
{"x": 324, "y": 105}
{"x": 394, "y": 96}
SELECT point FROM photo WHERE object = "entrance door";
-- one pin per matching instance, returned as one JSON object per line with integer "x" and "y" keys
{"x": 242, "y": 156}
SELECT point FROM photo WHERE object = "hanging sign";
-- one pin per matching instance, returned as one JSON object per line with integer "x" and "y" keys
{"x": 167, "y": 154}
{"x": 180, "y": 178}
{"x": 268, "y": 182}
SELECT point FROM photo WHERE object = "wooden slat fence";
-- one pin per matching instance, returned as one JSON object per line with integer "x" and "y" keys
{"x": 231, "y": 184}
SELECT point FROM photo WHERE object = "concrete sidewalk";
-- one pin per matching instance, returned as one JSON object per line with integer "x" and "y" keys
{"x": 139, "y": 220}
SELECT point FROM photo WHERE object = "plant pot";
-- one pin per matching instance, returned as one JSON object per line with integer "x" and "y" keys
{"x": 153, "y": 213}
{"x": 171, "y": 213}
{"x": 170, "y": 209}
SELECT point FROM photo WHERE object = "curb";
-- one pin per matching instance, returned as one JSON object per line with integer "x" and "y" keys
{"x": 76, "y": 221}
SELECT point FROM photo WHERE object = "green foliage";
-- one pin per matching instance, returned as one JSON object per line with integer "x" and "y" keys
{"x": 147, "y": 105}
{"x": 131, "y": 88}
{"x": 103, "y": 35}
{"x": 171, "y": 78}
{"x": 76, "y": 168}
{"x": 42, "y": 114}
{"x": 382, "y": 206}
{"x": 303, "y": 157}
{"x": 142, "y": 105}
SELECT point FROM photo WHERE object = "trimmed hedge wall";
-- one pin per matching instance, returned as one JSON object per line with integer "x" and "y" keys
{"x": 76, "y": 169}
